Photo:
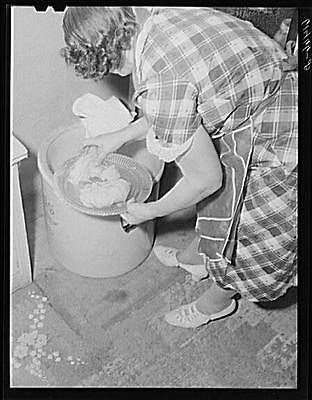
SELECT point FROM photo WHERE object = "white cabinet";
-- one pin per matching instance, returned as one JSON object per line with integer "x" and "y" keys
{"x": 20, "y": 266}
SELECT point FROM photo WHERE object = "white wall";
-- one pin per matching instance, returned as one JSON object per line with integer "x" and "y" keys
{"x": 44, "y": 87}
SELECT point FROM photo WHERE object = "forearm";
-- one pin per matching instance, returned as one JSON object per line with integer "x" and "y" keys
{"x": 184, "y": 194}
{"x": 135, "y": 131}
{"x": 202, "y": 176}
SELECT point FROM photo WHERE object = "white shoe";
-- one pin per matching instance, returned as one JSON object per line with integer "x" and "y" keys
{"x": 168, "y": 256}
{"x": 188, "y": 316}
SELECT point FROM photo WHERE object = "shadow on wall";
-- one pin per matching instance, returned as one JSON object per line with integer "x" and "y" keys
{"x": 44, "y": 89}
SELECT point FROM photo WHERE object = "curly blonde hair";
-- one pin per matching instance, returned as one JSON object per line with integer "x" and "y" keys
{"x": 96, "y": 38}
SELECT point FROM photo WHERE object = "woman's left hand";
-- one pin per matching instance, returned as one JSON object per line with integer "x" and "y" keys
{"x": 137, "y": 213}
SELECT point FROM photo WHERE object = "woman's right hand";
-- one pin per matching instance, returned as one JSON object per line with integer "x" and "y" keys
{"x": 107, "y": 143}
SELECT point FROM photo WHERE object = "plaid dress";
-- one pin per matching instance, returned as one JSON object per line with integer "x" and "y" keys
{"x": 202, "y": 66}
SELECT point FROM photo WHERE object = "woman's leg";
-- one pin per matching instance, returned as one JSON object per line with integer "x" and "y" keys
{"x": 215, "y": 299}
{"x": 190, "y": 255}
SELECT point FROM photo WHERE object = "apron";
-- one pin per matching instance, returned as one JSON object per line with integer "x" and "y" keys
{"x": 219, "y": 213}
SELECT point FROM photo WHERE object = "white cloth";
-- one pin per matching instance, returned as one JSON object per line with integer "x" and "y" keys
{"x": 101, "y": 116}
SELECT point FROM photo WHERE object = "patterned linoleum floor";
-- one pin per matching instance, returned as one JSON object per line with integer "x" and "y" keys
{"x": 72, "y": 331}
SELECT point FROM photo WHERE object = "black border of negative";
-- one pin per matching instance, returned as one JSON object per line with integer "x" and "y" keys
{"x": 304, "y": 230}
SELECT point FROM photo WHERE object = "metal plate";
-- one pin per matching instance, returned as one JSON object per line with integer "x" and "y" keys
{"x": 139, "y": 178}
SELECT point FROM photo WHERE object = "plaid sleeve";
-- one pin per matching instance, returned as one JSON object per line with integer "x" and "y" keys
{"x": 170, "y": 107}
